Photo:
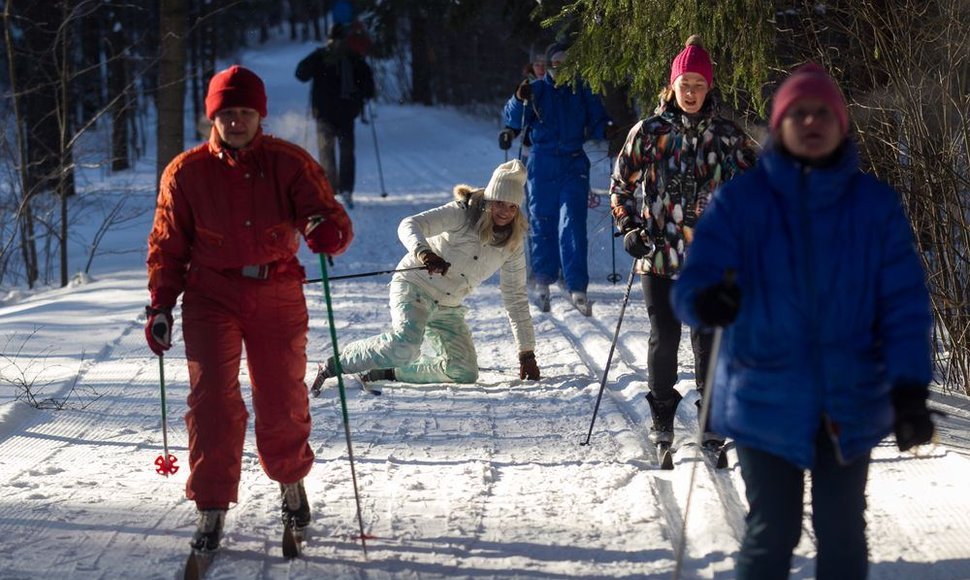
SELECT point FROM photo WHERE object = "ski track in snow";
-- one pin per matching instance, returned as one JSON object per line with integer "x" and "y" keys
{"x": 455, "y": 481}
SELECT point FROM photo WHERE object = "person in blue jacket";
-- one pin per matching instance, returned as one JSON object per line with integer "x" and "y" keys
{"x": 810, "y": 267}
{"x": 560, "y": 119}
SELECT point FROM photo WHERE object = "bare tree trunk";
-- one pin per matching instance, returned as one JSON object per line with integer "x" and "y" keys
{"x": 28, "y": 244}
{"x": 118, "y": 87}
{"x": 170, "y": 98}
{"x": 420, "y": 56}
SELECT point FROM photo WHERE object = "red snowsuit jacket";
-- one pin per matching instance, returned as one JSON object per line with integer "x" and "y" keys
{"x": 225, "y": 211}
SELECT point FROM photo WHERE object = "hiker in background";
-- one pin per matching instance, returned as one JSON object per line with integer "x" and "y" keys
{"x": 460, "y": 244}
{"x": 679, "y": 155}
{"x": 535, "y": 69}
{"x": 827, "y": 346}
{"x": 559, "y": 119}
{"x": 341, "y": 84}
{"x": 225, "y": 237}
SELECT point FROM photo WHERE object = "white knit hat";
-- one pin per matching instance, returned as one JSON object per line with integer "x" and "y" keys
{"x": 507, "y": 183}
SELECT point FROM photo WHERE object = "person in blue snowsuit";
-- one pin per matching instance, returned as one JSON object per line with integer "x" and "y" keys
{"x": 560, "y": 118}
{"x": 810, "y": 267}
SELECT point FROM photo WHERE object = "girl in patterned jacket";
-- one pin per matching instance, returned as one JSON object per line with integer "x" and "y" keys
{"x": 680, "y": 156}
{"x": 460, "y": 244}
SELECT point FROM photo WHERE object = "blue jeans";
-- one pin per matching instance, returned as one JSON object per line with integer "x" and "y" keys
{"x": 775, "y": 488}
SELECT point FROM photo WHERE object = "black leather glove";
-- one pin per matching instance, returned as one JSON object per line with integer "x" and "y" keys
{"x": 524, "y": 91}
{"x": 528, "y": 368}
{"x": 434, "y": 263}
{"x": 914, "y": 422}
{"x": 505, "y": 138}
{"x": 636, "y": 243}
{"x": 718, "y": 305}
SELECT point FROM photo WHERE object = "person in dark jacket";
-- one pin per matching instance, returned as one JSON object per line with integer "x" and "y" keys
{"x": 810, "y": 267}
{"x": 559, "y": 119}
{"x": 680, "y": 156}
{"x": 342, "y": 83}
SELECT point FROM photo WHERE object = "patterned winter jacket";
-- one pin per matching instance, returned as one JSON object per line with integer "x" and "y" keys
{"x": 834, "y": 306}
{"x": 680, "y": 159}
{"x": 223, "y": 211}
{"x": 450, "y": 232}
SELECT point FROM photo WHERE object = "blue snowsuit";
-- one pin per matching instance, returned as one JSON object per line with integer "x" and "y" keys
{"x": 834, "y": 314}
{"x": 561, "y": 119}
{"x": 834, "y": 305}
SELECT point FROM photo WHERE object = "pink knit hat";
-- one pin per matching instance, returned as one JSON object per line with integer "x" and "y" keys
{"x": 809, "y": 81}
{"x": 693, "y": 59}
{"x": 236, "y": 86}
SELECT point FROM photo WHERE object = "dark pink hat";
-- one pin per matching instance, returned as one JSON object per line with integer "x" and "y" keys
{"x": 809, "y": 81}
{"x": 693, "y": 59}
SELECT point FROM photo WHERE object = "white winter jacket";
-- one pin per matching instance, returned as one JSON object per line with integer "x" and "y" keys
{"x": 449, "y": 231}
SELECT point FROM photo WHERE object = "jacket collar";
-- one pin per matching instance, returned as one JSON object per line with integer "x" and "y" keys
{"x": 235, "y": 157}
{"x": 822, "y": 185}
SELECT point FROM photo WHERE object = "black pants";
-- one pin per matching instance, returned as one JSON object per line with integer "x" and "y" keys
{"x": 775, "y": 490}
{"x": 332, "y": 135}
{"x": 665, "y": 329}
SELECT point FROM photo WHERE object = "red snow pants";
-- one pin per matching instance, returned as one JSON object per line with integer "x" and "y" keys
{"x": 221, "y": 312}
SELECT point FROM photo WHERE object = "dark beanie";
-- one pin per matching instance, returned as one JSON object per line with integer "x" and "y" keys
{"x": 235, "y": 87}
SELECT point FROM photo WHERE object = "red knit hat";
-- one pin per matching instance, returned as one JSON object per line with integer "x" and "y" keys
{"x": 693, "y": 59}
{"x": 809, "y": 81}
{"x": 235, "y": 87}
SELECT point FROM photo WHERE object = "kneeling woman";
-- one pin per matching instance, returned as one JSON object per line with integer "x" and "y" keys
{"x": 460, "y": 244}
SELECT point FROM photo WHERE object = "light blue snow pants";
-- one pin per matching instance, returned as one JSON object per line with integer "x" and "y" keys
{"x": 417, "y": 318}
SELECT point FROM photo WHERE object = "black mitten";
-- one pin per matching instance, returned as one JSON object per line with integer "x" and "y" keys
{"x": 914, "y": 422}
{"x": 718, "y": 305}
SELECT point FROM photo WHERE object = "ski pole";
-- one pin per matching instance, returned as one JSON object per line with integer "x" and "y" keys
{"x": 166, "y": 462}
{"x": 343, "y": 399}
{"x": 377, "y": 150}
{"x": 363, "y": 274}
{"x": 614, "y": 277}
{"x": 702, "y": 425}
{"x": 609, "y": 357}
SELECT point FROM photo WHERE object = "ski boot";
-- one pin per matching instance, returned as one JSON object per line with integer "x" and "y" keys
{"x": 348, "y": 199}
{"x": 324, "y": 372}
{"x": 542, "y": 297}
{"x": 662, "y": 429}
{"x": 662, "y": 412}
{"x": 295, "y": 509}
{"x": 208, "y": 534}
{"x": 295, "y": 513}
{"x": 582, "y": 303}
{"x": 709, "y": 437}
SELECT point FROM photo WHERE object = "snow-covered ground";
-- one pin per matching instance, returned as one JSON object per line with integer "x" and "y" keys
{"x": 472, "y": 481}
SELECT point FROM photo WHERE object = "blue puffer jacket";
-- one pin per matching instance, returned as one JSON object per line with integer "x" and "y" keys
{"x": 834, "y": 307}
{"x": 561, "y": 118}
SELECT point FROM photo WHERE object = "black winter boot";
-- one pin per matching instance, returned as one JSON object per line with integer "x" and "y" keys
{"x": 295, "y": 507}
{"x": 379, "y": 375}
{"x": 662, "y": 430}
{"x": 209, "y": 531}
{"x": 709, "y": 437}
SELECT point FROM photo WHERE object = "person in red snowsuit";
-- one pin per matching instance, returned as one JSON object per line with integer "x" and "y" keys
{"x": 225, "y": 236}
